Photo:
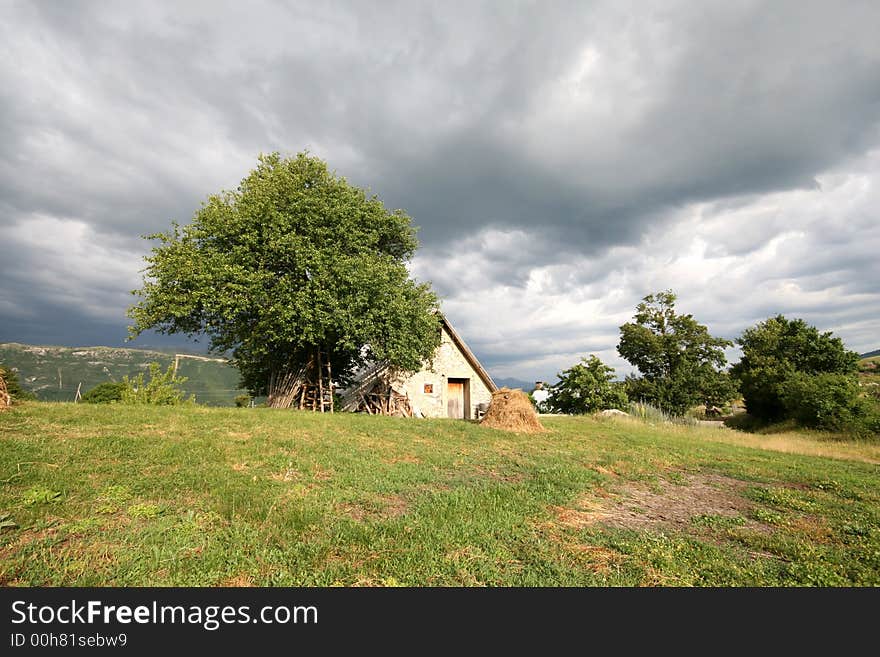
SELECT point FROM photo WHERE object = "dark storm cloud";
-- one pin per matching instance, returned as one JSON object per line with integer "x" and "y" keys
{"x": 518, "y": 136}
{"x": 446, "y": 114}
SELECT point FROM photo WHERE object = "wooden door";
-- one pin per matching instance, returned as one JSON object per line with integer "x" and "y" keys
{"x": 455, "y": 399}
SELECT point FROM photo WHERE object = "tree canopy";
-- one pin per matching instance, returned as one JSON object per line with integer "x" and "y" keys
{"x": 677, "y": 357}
{"x": 776, "y": 350}
{"x": 293, "y": 262}
{"x": 587, "y": 387}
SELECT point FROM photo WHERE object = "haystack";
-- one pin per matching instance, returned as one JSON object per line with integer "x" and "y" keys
{"x": 511, "y": 410}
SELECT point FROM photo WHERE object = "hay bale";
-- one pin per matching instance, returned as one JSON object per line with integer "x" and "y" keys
{"x": 511, "y": 410}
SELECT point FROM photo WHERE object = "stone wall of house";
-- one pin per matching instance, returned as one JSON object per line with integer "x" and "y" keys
{"x": 448, "y": 363}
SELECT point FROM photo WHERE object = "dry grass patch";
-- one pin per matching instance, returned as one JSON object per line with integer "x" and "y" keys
{"x": 238, "y": 581}
{"x": 406, "y": 458}
{"x": 386, "y": 507}
{"x": 816, "y": 529}
{"x": 798, "y": 443}
{"x": 490, "y": 473}
{"x": 289, "y": 474}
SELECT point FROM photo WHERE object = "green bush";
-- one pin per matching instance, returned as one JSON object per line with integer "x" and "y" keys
{"x": 243, "y": 401}
{"x": 105, "y": 393}
{"x": 160, "y": 390}
{"x": 827, "y": 401}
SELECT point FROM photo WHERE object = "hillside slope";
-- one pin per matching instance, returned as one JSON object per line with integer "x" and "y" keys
{"x": 169, "y": 496}
{"x": 53, "y": 373}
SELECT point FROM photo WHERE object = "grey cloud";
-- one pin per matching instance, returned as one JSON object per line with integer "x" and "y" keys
{"x": 581, "y": 129}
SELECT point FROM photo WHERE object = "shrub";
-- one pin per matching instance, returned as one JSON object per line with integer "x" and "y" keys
{"x": 105, "y": 393}
{"x": 243, "y": 401}
{"x": 161, "y": 389}
{"x": 827, "y": 401}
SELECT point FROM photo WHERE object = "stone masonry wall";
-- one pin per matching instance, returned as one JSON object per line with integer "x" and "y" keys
{"x": 449, "y": 362}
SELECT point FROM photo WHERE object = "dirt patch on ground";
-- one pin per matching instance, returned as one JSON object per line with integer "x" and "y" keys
{"x": 386, "y": 508}
{"x": 636, "y": 505}
{"x": 489, "y": 473}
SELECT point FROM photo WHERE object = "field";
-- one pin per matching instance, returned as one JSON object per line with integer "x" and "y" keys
{"x": 111, "y": 495}
{"x": 54, "y": 373}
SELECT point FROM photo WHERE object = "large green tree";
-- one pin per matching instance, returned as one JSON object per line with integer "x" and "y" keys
{"x": 293, "y": 265}
{"x": 778, "y": 349}
{"x": 679, "y": 361}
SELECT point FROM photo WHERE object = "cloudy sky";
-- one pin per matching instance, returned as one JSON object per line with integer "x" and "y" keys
{"x": 561, "y": 159}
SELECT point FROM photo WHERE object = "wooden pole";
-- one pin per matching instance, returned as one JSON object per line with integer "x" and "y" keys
{"x": 320, "y": 381}
{"x": 330, "y": 382}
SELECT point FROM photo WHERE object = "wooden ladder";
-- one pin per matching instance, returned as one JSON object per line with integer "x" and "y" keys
{"x": 317, "y": 392}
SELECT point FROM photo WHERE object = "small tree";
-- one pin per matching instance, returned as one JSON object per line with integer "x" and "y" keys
{"x": 162, "y": 388}
{"x": 680, "y": 362}
{"x": 777, "y": 349}
{"x": 108, "y": 392}
{"x": 587, "y": 387}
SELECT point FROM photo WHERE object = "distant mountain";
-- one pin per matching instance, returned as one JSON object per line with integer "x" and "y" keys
{"x": 54, "y": 373}
{"x": 509, "y": 382}
{"x": 871, "y": 354}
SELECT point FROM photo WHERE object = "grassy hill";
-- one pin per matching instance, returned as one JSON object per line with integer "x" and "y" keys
{"x": 53, "y": 373}
{"x": 114, "y": 495}
{"x": 869, "y": 376}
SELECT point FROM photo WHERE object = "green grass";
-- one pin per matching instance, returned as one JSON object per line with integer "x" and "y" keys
{"x": 113, "y": 496}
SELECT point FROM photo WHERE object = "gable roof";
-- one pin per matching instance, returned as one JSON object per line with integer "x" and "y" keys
{"x": 366, "y": 378}
{"x": 467, "y": 353}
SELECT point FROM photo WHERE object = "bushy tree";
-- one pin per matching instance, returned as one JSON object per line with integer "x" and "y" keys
{"x": 587, "y": 387}
{"x": 294, "y": 262}
{"x": 161, "y": 389}
{"x": 826, "y": 401}
{"x": 679, "y": 361}
{"x": 777, "y": 349}
{"x": 105, "y": 393}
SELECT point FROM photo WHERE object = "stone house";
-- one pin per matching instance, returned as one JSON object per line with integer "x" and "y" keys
{"x": 453, "y": 385}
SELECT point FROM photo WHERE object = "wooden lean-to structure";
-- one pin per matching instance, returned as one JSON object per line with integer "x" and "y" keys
{"x": 309, "y": 388}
